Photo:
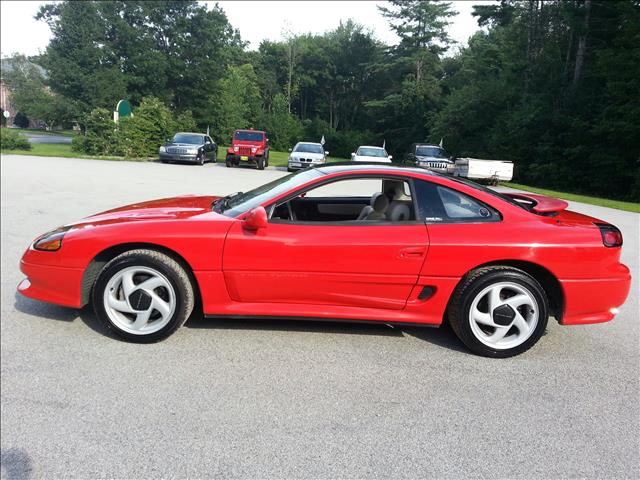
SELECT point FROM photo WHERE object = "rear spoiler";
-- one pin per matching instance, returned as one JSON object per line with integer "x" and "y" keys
{"x": 539, "y": 204}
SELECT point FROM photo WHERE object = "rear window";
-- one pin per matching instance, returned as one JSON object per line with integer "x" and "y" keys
{"x": 249, "y": 136}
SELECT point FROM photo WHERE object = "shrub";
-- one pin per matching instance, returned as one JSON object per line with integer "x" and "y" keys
{"x": 100, "y": 134}
{"x": 13, "y": 140}
{"x": 142, "y": 134}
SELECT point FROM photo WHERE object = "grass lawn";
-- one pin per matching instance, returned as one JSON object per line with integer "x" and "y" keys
{"x": 55, "y": 150}
{"x": 603, "y": 202}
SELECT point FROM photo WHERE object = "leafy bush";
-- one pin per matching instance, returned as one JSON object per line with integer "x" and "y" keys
{"x": 343, "y": 143}
{"x": 13, "y": 140}
{"x": 100, "y": 134}
{"x": 283, "y": 129}
{"x": 149, "y": 127}
{"x": 21, "y": 120}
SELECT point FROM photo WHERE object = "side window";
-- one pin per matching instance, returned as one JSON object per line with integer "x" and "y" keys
{"x": 368, "y": 200}
{"x": 439, "y": 204}
{"x": 357, "y": 187}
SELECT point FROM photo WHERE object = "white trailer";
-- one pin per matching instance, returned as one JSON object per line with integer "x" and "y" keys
{"x": 490, "y": 171}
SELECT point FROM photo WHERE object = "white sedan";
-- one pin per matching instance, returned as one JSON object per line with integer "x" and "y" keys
{"x": 371, "y": 154}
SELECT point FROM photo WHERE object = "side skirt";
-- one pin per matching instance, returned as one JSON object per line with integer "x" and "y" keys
{"x": 322, "y": 319}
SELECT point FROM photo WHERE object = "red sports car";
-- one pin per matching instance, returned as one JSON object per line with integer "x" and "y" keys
{"x": 372, "y": 243}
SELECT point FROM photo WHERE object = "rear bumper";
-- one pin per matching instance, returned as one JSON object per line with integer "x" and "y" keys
{"x": 595, "y": 301}
{"x": 52, "y": 284}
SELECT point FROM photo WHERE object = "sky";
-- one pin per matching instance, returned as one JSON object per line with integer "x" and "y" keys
{"x": 256, "y": 20}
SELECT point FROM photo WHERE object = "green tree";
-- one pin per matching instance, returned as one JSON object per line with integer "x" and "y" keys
{"x": 236, "y": 104}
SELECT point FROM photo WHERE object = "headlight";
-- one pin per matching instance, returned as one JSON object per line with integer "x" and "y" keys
{"x": 51, "y": 241}
{"x": 235, "y": 149}
{"x": 254, "y": 149}
{"x": 162, "y": 149}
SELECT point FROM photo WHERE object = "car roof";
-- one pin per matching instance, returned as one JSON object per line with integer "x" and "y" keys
{"x": 189, "y": 133}
{"x": 370, "y": 146}
{"x": 249, "y": 131}
{"x": 427, "y": 145}
{"x": 337, "y": 167}
{"x": 309, "y": 143}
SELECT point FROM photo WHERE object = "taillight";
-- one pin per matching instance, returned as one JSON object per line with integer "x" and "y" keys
{"x": 611, "y": 236}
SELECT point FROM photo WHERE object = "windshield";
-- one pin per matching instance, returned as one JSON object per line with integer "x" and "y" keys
{"x": 436, "y": 152}
{"x": 309, "y": 148}
{"x": 371, "y": 152}
{"x": 246, "y": 201}
{"x": 190, "y": 138}
{"x": 249, "y": 136}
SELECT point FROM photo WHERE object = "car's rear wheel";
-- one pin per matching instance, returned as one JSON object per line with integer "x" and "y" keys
{"x": 143, "y": 295}
{"x": 498, "y": 311}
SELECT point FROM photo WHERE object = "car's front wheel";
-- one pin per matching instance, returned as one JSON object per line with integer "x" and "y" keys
{"x": 499, "y": 311}
{"x": 143, "y": 295}
{"x": 260, "y": 163}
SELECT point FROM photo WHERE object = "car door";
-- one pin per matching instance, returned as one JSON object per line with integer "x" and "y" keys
{"x": 340, "y": 263}
{"x": 209, "y": 148}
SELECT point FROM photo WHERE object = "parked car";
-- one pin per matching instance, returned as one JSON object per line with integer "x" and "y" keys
{"x": 305, "y": 154}
{"x": 375, "y": 243}
{"x": 429, "y": 156}
{"x": 486, "y": 171}
{"x": 250, "y": 147}
{"x": 189, "y": 147}
{"x": 371, "y": 154}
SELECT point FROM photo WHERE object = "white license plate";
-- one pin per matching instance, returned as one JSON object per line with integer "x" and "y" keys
{"x": 296, "y": 165}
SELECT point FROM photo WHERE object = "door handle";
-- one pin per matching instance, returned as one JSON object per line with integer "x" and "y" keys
{"x": 412, "y": 252}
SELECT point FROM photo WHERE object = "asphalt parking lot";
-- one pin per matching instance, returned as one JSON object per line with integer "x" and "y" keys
{"x": 240, "y": 399}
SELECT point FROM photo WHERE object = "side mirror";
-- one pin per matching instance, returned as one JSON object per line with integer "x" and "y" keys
{"x": 353, "y": 154}
{"x": 390, "y": 157}
{"x": 326, "y": 154}
{"x": 290, "y": 150}
{"x": 255, "y": 219}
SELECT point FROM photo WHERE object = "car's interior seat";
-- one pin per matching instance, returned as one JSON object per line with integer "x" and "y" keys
{"x": 377, "y": 208}
{"x": 399, "y": 210}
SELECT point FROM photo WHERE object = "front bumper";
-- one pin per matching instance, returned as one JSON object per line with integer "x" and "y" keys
{"x": 595, "y": 301}
{"x": 179, "y": 157}
{"x": 298, "y": 164}
{"x": 250, "y": 159}
{"x": 53, "y": 284}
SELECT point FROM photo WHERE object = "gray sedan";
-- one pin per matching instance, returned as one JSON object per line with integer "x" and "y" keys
{"x": 189, "y": 147}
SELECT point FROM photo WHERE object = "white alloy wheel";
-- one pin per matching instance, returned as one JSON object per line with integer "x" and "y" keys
{"x": 139, "y": 300}
{"x": 503, "y": 315}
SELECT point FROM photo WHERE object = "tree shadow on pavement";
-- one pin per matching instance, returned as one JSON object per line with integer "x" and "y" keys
{"x": 15, "y": 464}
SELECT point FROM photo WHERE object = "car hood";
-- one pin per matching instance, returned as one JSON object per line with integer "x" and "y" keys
{"x": 174, "y": 208}
{"x": 364, "y": 158}
{"x": 306, "y": 155}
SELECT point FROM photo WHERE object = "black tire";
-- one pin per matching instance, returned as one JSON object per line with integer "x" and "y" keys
{"x": 228, "y": 162}
{"x": 167, "y": 266}
{"x": 215, "y": 157}
{"x": 290, "y": 169}
{"x": 162, "y": 160}
{"x": 260, "y": 163}
{"x": 472, "y": 285}
{"x": 201, "y": 159}
{"x": 266, "y": 159}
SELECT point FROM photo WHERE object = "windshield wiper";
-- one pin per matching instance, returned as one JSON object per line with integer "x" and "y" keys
{"x": 221, "y": 204}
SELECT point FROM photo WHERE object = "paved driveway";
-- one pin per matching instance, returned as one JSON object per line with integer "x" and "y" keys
{"x": 35, "y": 137}
{"x": 229, "y": 398}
